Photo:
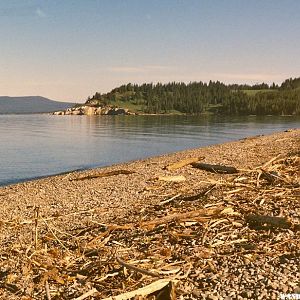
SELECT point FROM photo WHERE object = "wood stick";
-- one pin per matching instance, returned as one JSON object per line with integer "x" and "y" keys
{"x": 103, "y": 174}
{"x": 178, "y": 178}
{"x": 270, "y": 161}
{"x": 215, "y": 168}
{"x": 137, "y": 269}
{"x": 53, "y": 233}
{"x": 47, "y": 290}
{"x": 169, "y": 200}
{"x": 147, "y": 290}
{"x": 36, "y": 220}
{"x": 199, "y": 214}
{"x": 267, "y": 222}
{"x": 87, "y": 294}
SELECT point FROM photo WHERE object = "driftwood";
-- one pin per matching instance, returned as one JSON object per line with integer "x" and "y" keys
{"x": 178, "y": 178}
{"x": 193, "y": 197}
{"x": 182, "y": 163}
{"x": 147, "y": 290}
{"x": 104, "y": 174}
{"x": 77, "y": 256}
{"x": 169, "y": 200}
{"x": 90, "y": 293}
{"x": 197, "y": 196}
{"x": 215, "y": 168}
{"x": 267, "y": 222}
{"x": 269, "y": 176}
{"x": 200, "y": 215}
{"x": 136, "y": 269}
{"x": 48, "y": 296}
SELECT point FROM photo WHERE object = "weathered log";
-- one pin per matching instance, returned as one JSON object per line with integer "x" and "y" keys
{"x": 267, "y": 222}
{"x": 215, "y": 168}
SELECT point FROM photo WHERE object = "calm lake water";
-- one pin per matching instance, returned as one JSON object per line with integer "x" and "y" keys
{"x": 38, "y": 145}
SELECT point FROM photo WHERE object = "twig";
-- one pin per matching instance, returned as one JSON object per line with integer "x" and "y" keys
{"x": 201, "y": 215}
{"x": 169, "y": 200}
{"x": 36, "y": 220}
{"x": 87, "y": 294}
{"x": 137, "y": 269}
{"x": 105, "y": 277}
{"x": 147, "y": 290}
{"x": 104, "y": 174}
{"x": 270, "y": 161}
{"x": 53, "y": 233}
{"x": 47, "y": 290}
{"x": 177, "y": 178}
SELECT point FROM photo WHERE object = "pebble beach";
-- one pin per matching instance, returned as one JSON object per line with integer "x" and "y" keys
{"x": 79, "y": 234}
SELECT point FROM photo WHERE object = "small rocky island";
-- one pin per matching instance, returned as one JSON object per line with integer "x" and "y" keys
{"x": 94, "y": 110}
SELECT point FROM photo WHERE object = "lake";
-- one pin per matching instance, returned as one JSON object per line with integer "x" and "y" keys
{"x": 33, "y": 146}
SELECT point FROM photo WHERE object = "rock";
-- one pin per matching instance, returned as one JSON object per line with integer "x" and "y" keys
{"x": 77, "y": 112}
{"x": 98, "y": 111}
{"x": 93, "y": 110}
{"x": 116, "y": 111}
{"x": 59, "y": 113}
{"x": 89, "y": 110}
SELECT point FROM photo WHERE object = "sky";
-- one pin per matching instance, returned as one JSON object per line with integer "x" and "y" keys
{"x": 68, "y": 50}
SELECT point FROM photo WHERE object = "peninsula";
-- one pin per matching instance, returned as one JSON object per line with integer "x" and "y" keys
{"x": 195, "y": 98}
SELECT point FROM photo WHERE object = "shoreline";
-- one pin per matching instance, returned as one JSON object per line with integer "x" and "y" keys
{"x": 246, "y": 152}
{"x": 101, "y": 210}
{"x": 166, "y": 156}
{"x": 96, "y": 167}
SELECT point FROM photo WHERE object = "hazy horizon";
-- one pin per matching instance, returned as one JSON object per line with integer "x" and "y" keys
{"x": 68, "y": 50}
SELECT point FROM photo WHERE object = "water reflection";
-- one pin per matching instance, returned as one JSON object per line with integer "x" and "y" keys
{"x": 39, "y": 145}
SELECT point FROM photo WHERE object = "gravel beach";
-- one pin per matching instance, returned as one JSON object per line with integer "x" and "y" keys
{"x": 65, "y": 236}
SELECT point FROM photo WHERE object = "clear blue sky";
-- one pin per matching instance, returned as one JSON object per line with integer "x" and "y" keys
{"x": 69, "y": 49}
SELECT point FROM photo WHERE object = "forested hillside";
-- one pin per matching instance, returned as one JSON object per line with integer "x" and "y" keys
{"x": 200, "y": 97}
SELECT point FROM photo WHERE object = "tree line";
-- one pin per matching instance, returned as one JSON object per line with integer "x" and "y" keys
{"x": 214, "y": 97}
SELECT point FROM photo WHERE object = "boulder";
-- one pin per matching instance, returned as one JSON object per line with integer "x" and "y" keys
{"x": 77, "y": 112}
{"x": 98, "y": 111}
{"x": 89, "y": 111}
{"x": 116, "y": 111}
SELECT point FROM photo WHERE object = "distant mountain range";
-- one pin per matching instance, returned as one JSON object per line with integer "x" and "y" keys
{"x": 30, "y": 105}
